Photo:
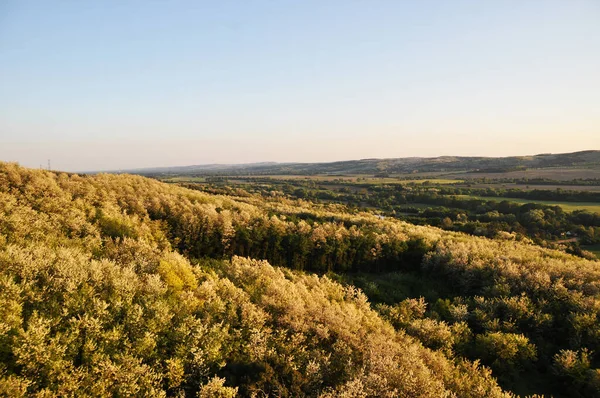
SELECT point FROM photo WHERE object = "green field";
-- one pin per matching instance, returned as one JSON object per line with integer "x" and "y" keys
{"x": 593, "y": 248}
{"x": 432, "y": 181}
{"x": 547, "y": 187}
{"x": 567, "y": 206}
{"x": 184, "y": 179}
{"x": 364, "y": 179}
{"x": 356, "y": 178}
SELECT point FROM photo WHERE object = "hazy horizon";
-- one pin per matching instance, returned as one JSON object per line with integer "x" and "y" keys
{"x": 43, "y": 164}
{"x": 121, "y": 86}
{"x": 176, "y": 165}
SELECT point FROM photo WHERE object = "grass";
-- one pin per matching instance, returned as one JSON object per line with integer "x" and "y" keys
{"x": 184, "y": 179}
{"x": 347, "y": 179}
{"x": 593, "y": 248}
{"x": 416, "y": 205}
{"x": 566, "y": 206}
{"x": 393, "y": 287}
{"x": 555, "y": 173}
{"x": 362, "y": 179}
{"x": 531, "y": 187}
{"x": 441, "y": 181}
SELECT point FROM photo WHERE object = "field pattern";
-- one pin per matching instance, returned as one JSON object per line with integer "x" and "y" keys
{"x": 567, "y": 206}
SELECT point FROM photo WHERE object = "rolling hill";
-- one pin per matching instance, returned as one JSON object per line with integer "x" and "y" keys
{"x": 583, "y": 159}
{"x": 120, "y": 285}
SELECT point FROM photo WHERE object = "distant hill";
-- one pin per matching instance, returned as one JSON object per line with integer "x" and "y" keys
{"x": 589, "y": 159}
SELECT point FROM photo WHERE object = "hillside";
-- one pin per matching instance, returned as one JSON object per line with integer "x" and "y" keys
{"x": 399, "y": 165}
{"x": 119, "y": 285}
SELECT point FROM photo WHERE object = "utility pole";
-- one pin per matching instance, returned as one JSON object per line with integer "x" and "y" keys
{"x": 48, "y": 164}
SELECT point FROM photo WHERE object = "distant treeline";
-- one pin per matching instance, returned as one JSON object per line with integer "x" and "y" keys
{"x": 558, "y": 195}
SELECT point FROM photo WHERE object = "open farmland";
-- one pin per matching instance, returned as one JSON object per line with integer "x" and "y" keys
{"x": 366, "y": 179}
{"x": 184, "y": 179}
{"x": 531, "y": 187}
{"x": 555, "y": 173}
{"x": 324, "y": 178}
{"x": 567, "y": 206}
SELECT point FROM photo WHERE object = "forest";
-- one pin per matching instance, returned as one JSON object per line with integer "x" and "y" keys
{"x": 568, "y": 220}
{"x": 121, "y": 285}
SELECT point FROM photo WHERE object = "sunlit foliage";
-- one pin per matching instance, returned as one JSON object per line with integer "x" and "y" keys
{"x": 124, "y": 286}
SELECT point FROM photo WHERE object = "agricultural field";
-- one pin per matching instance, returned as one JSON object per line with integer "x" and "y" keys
{"x": 368, "y": 179}
{"x": 184, "y": 179}
{"x": 347, "y": 179}
{"x": 567, "y": 206}
{"x": 556, "y": 173}
{"x": 532, "y": 187}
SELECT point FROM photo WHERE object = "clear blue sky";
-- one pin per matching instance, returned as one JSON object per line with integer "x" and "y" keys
{"x": 119, "y": 84}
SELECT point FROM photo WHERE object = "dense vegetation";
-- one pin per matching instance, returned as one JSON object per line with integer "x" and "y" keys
{"x": 449, "y": 207}
{"x": 121, "y": 285}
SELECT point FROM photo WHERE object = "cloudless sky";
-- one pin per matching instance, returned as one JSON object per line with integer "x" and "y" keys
{"x": 107, "y": 84}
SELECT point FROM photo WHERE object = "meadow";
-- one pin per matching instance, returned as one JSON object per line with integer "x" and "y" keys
{"x": 364, "y": 179}
{"x": 567, "y": 206}
{"x": 556, "y": 173}
{"x": 593, "y": 248}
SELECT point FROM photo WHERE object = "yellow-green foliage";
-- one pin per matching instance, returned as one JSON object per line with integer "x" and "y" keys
{"x": 95, "y": 302}
{"x": 176, "y": 273}
{"x": 506, "y": 349}
{"x": 98, "y": 297}
{"x": 215, "y": 389}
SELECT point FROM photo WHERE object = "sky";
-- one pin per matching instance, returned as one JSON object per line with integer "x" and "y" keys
{"x": 105, "y": 85}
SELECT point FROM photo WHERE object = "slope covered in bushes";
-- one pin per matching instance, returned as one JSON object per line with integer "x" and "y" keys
{"x": 124, "y": 285}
